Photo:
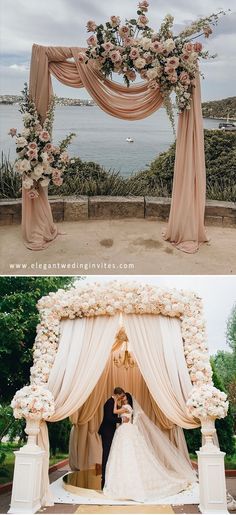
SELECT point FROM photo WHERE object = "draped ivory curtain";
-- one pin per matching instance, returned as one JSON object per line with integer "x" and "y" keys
{"x": 83, "y": 351}
{"x": 84, "y": 348}
{"x": 85, "y": 449}
{"x": 186, "y": 224}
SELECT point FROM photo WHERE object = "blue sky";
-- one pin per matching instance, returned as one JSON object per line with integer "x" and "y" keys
{"x": 63, "y": 23}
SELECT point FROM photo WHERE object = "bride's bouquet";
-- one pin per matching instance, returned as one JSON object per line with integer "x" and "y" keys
{"x": 39, "y": 162}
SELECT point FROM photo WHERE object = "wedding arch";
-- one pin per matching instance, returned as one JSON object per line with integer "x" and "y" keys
{"x": 165, "y": 63}
{"x": 79, "y": 331}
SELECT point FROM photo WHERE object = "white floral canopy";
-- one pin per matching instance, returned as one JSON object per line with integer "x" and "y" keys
{"x": 78, "y": 327}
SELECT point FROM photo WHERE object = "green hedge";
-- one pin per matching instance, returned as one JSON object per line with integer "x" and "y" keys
{"x": 88, "y": 178}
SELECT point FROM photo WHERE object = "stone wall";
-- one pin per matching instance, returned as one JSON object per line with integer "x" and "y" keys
{"x": 74, "y": 209}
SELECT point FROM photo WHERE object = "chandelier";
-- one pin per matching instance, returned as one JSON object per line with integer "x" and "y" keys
{"x": 124, "y": 359}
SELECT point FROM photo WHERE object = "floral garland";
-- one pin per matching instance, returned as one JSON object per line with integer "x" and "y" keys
{"x": 39, "y": 162}
{"x": 169, "y": 63}
{"x": 132, "y": 298}
{"x": 207, "y": 401}
{"x": 97, "y": 300}
{"x": 34, "y": 402}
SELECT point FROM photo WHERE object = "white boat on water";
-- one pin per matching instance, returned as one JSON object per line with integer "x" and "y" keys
{"x": 129, "y": 140}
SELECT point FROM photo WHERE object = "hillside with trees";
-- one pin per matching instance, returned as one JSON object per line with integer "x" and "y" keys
{"x": 220, "y": 108}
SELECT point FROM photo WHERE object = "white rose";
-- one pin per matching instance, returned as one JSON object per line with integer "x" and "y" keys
{"x": 38, "y": 171}
{"x": 21, "y": 142}
{"x": 145, "y": 43}
{"x": 169, "y": 45}
{"x": 45, "y": 182}
{"x": 27, "y": 183}
{"x": 139, "y": 63}
{"x": 152, "y": 73}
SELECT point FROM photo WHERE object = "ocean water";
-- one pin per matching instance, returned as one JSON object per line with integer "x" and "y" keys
{"x": 100, "y": 137}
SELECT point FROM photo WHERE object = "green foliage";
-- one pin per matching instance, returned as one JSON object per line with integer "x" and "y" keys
{"x": 224, "y": 426}
{"x": 220, "y": 108}
{"x": 10, "y": 182}
{"x": 231, "y": 330}
{"x": 18, "y": 321}
{"x": 59, "y": 434}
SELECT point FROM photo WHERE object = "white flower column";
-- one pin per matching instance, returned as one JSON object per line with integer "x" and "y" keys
{"x": 211, "y": 472}
{"x": 27, "y": 473}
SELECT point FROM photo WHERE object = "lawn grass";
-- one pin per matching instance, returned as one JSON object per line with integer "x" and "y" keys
{"x": 7, "y": 468}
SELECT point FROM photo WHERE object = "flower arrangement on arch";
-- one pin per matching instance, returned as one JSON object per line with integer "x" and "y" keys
{"x": 207, "y": 401}
{"x": 39, "y": 162}
{"x": 168, "y": 62}
{"x": 34, "y": 402}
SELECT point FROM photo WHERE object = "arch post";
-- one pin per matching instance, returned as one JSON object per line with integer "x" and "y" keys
{"x": 27, "y": 473}
{"x": 212, "y": 486}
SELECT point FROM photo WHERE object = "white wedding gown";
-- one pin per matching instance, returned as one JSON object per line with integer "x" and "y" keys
{"x": 134, "y": 472}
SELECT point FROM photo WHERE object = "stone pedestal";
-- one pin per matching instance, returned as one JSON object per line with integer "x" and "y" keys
{"x": 211, "y": 471}
{"x": 27, "y": 474}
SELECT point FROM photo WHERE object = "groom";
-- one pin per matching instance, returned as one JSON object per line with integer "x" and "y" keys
{"x": 108, "y": 427}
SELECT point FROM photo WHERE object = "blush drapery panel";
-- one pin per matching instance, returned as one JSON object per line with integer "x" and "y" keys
{"x": 83, "y": 351}
{"x": 156, "y": 342}
{"x": 186, "y": 223}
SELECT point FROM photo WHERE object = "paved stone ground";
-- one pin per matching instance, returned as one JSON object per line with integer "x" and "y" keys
{"x": 71, "y": 508}
{"x": 109, "y": 246}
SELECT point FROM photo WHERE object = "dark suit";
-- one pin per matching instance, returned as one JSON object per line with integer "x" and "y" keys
{"x": 107, "y": 431}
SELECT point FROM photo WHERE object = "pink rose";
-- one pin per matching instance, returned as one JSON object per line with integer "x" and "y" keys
{"x": 81, "y": 57}
{"x": 32, "y": 194}
{"x": 185, "y": 57}
{"x": 157, "y": 47}
{"x": 57, "y": 181}
{"x": 44, "y": 136}
{"x": 173, "y": 78}
{"x": 56, "y": 174}
{"x": 124, "y": 31}
{"x": 32, "y": 145}
{"x": 173, "y": 61}
{"x": 115, "y": 21}
{"x": 148, "y": 58}
{"x": 107, "y": 46}
{"x": 134, "y": 53}
{"x": 12, "y": 132}
{"x": 142, "y": 21}
{"x": 48, "y": 147}
{"x": 115, "y": 56}
{"x": 197, "y": 47}
{"x": 188, "y": 47}
{"x": 169, "y": 69}
{"x": 32, "y": 154}
{"x": 184, "y": 78}
{"x": 143, "y": 5}
{"x": 128, "y": 40}
{"x": 91, "y": 26}
{"x": 131, "y": 75}
{"x": 92, "y": 40}
{"x": 50, "y": 159}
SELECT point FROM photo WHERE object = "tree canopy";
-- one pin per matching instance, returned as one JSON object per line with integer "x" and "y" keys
{"x": 18, "y": 320}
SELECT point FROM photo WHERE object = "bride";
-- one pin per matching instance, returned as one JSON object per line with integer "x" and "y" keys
{"x": 136, "y": 470}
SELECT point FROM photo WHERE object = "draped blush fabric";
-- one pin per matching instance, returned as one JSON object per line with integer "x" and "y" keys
{"x": 38, "y": 228}
{"x": 75, "y": 373}
{"x": 186, "y": 221}
{"x": 156, "y": 342}
{"x": 85, "y": 445}
{"x": 186, "y": 224}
